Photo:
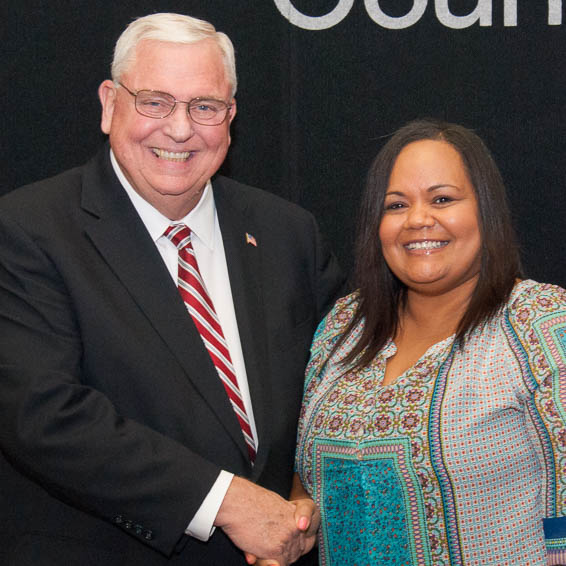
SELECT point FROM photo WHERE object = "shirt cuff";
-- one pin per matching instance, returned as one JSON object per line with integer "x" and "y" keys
{"x": 555, "y": 535}
{"x": 202, "y": 525}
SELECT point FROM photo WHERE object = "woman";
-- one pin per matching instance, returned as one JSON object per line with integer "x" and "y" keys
{"x": 433, "y": 429}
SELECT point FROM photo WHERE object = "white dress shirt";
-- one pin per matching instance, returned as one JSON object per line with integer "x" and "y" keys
{"x": 209, "y": 251}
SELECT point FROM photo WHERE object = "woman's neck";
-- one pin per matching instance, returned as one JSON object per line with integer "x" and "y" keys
{"x": 438, "y": 314}
{"x": 426, "y": 320}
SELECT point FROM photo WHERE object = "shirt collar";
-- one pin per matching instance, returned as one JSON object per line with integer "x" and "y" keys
{"x": 200, "y": 219}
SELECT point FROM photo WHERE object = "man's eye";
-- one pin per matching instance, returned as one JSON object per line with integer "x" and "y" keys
{"x": 154, "y": 103}
{"x": 205, "y": 107}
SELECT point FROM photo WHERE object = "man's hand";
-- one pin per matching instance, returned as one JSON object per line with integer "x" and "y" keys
{"x": 307, "y": 519}
{"x": 262, "y": 523}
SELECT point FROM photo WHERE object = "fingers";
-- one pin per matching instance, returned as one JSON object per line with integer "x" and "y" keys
{"x": 307, "y": 516}
{"x": 304, "y": 509}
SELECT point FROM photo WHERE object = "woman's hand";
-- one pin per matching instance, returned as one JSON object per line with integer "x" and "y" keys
{"x": 307, "y": 518}
{"x": 307, "y": 515}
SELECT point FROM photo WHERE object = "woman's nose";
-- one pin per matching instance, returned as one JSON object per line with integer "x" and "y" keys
{"x": 420, "y": 216}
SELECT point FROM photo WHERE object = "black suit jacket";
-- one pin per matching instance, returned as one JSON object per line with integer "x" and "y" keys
{"x": 113, "y": 422}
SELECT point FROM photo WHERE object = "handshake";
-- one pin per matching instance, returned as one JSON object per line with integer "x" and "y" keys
{"x": 269, "y": 529}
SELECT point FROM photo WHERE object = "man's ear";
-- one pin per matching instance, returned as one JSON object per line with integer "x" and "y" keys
{"x": 231, "y": 116}
{"x": 232, "y": 111}
{"x": 107, "y": 96}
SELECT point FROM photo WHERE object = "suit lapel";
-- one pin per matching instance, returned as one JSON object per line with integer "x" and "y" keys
{"x": 120, "y": 237}
{"x": 244, "y": 262}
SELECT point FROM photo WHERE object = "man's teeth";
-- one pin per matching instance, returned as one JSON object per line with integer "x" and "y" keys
{"x": 171, "y": 155}
{"x": 427, "y": 245}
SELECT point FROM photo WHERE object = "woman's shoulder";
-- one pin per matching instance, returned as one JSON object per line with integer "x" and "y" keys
{"x": 531, "y": 301}
{"x": 344, "y": 310}
{"x": 338, "y": 318}
{"x": 528, "y": 292}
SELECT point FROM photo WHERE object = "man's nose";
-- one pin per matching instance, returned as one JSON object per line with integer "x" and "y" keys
{"x": 179, "y": 125}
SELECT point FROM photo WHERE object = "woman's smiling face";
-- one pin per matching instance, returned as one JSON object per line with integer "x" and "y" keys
{"x": 429, "y": 232}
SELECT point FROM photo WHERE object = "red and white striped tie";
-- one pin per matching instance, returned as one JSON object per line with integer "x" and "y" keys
{"x": 198, "y": 303}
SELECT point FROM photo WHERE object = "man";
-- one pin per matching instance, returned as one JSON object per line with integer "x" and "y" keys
{"x": 131, "y": 415}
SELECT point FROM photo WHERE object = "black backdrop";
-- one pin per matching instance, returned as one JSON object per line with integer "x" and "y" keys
{"x": 315, "y": 105}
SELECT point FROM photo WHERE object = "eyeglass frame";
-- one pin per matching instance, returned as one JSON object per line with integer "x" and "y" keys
{"x": 175, "y": 101}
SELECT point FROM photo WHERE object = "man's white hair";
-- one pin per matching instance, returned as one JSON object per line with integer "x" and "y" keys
{"x": 171, "y": 28}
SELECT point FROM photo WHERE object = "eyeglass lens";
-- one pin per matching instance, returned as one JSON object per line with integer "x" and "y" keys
{"x": 160, "y": 104}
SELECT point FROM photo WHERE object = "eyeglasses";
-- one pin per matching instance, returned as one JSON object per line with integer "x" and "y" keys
{"x": 156, "y": 104}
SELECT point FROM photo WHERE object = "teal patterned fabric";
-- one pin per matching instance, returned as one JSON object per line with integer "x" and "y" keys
{"x": 457, "y": 462}
{"x": 368, "y": 520}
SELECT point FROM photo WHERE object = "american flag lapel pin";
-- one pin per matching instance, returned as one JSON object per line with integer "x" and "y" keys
{"x": 250, "y": 240}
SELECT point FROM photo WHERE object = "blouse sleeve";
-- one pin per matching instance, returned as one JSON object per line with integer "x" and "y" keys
{"x": 537, "y": 320}
{"x": 327, "y": 334}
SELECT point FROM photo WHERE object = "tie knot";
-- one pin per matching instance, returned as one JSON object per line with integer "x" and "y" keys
{"x": 179, "y": 234}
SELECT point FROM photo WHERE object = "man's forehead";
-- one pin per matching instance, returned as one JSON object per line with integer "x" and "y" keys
{"x": 154, "y": 59}
{"x": 158, "y": 47}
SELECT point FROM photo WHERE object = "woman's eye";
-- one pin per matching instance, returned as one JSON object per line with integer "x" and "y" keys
{"x": 442, "y": 200}
{"x": 394, "y": 206}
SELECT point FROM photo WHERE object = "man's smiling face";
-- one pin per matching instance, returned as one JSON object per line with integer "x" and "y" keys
{"x": 169, "y": 160}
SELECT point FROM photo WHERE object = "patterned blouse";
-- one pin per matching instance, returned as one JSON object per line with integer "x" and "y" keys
{"x": 460, "y": 461}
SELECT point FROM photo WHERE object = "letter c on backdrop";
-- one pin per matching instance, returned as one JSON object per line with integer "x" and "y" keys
{"x": 329, "y": 20}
